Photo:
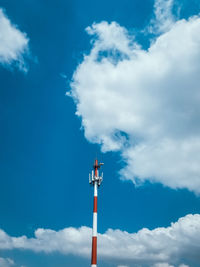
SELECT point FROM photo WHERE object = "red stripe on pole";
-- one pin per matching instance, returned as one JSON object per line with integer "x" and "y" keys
{"x": 94, "y": 250}
{"x": 96, "y": 167}
{"x": 95, "y": 204}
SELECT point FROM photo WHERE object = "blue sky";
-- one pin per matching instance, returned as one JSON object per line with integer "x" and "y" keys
{"x": 131, "y": 73}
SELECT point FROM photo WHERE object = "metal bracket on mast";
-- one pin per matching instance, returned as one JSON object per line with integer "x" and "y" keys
{"x": 95, "y": 177}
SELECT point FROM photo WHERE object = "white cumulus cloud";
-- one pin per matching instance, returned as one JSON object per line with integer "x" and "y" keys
{"x": 164, "y": 264}
{"x": 144, "y": 103}
{"x": 13, "y": 43}
{"x": 161, "y": 247}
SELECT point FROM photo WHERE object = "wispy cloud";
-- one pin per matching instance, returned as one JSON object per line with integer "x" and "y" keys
{"x": 163, "y": 17}
{"x": 161, "y": 247}
{"x": 13, "y": 43}
{"x": 146, "y": 102}
{"x": 6, "y": 262}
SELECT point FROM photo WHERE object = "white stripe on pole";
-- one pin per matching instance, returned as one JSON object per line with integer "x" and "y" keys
{"x": 95, "y": 189}
{"x": 94, "y": 230}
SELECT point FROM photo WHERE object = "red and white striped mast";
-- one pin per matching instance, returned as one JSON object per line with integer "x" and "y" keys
{"x": 95, "y": 179}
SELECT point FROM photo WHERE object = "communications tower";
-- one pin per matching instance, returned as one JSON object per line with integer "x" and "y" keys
{"x": 95, "y": 180}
